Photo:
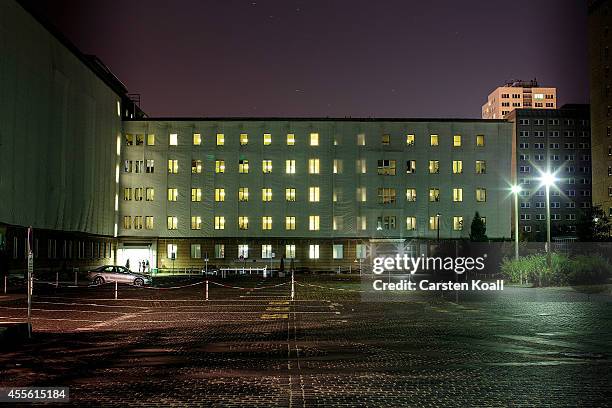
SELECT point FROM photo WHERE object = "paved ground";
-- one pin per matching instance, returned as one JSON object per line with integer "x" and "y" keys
{"x": 527, "y": 347}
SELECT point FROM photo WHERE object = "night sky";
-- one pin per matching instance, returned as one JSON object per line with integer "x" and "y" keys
{"x": 434, "y": 58}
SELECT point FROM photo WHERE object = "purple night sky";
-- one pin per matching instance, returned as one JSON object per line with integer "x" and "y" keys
{"x": 392, "y": 58}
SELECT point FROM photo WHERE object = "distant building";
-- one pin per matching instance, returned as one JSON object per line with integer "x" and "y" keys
{"x": 559, "y": 141}
{"x": 600, "y": 42}
{"x": 517, "y": 95}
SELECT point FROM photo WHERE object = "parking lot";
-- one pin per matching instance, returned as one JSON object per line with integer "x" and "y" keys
{"x": 250, "y": 344}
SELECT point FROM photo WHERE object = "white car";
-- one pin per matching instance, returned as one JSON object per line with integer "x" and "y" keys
{"x": 115, "y": 273}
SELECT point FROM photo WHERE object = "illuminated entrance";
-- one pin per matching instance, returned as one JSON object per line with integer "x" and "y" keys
{"x": 136, "y": 253}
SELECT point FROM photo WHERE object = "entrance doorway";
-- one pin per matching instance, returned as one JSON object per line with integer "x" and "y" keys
{"x": 136, "y": 254}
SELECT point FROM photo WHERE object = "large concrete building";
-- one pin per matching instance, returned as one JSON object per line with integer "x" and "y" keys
{"x": 309, "y": 189}
{"x": 559, "y": 141}
{"x": 600, "y": 42}
{"x": 101, "y": 184}
{"x": 516, "y": 95}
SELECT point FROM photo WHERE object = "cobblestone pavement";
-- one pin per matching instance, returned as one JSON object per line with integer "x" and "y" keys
{"x": 527, "y": 347}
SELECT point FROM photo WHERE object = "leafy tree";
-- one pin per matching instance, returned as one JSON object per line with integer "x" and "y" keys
{"x": 478, "y": 229}
{"x": 593, "y": 225}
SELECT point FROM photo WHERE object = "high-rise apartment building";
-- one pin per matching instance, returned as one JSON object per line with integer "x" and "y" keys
{"x": 558, "y": 141}
{"x": 517, "y": 95}
{"x": 600, "y": 44}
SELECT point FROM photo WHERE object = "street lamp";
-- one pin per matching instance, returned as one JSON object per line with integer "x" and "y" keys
{"x": 516, "y": 189}
{"x": 438, "y": 225}
{"x": 548, "y": 179}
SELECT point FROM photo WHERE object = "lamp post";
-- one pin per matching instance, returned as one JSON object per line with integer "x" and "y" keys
{"x": 548, "y": 179}
{"x": 516, "y": 189}
{"x": 438, "y": 225}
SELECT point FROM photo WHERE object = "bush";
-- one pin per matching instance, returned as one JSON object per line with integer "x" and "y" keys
{"x": 580, "y": 270}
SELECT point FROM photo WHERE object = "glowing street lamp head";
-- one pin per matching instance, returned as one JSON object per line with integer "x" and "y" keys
{"x": 548, "y": 179}
{"x": 516, "y": 189}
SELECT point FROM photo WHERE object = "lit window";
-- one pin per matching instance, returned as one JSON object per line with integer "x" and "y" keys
{"x": 411, "y": 194}
{"x": 150, "y": 194}
{"x": 266, "y": 251}
{"x": 266, "y": 166}
{"x": 171, "y": 251}
{"x": 290, "y": 251}
{"x": 290, "y": 139}
{"x": 434, "y": 194}
{"x": 220, "y": 139}
{"x": 387, "y": 222}
{"x": 172, "y": 223}
{"x": 411, "y": 166}
{"x": 267, "y": 139}
{"x": 148, "y": 222}
{"x": 243, "y": 194}
{"x": 219, "y": 222}
{"x": 129, "y": 139}
{"x": 361, "y": 251}
{"x": 386, "y": 140}
{"x": 338, "y": 251}
{"x": 219, "y": 251}
{"x": 127, "y": 194}
{"x": 266, "y": 223}
{"x": 481, "y": 167}
{"x": 457, "y": 223}
{"x": 243, "y": 166}
{"x": 457, "y": 166}
{"x": 313, "y": 251}
{"x": 290, "y": 194}
{"x": 337, "y": 222}
{"x": 386, "y": 167}
{"x": 481, "y": 195}
{"x": 289, "y": 223}
{"x": 290, "y": 166}
{"x": 362, "y": 223}
{"x": 457, "y": 194}
{"x": 196, "y": 195}
{"x": 219, "y": 166}
{"x": 244, "y": 139}
{"x": 434, "y": 166}
{"x": 266, "y": 194}
{"x": 480, "y": 140}
{"x": 313, "y": 166}
{"x": 173, "y": 139}
{"x": 172, "y": 166}
{"x": 410, "y": 140}
{"x": 411, "y": 223}
{"x": 243, "y": 223}
{"x": 386, "y": 196}
{"x": 243, "y": 251}
{"x": 361, "y": 166}
{"x": 150, "y": 140}
{"x": 434, "y": 222}
{"x": 219, "y": 194}
{"x": 361, "y": 141}
{"x": 197, "y": 139}
{"x": 313, "y": 222}
{"x": 127, "y": 222}
{"x": 172, "y": 194}
{"x": 314, "y": 139}
{"x": 361, "y": 194}
{"x": 337, "y": 166}
{"x": 433, "y": 140}
{"x": 196, "y": 166}
{"x": 313, "y": 194}
{"x": 457, "y": 141}
{"x": 196, "y": 222}
{"x": 150, "y": 166}
{"x": 196, "y": 251}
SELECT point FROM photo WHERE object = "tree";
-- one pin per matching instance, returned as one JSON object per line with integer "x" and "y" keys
{"x": 478, "y": 229}
{"x": 593, "y": 225}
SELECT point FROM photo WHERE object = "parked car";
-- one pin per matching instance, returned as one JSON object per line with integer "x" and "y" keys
{"x": 115, "y": 273}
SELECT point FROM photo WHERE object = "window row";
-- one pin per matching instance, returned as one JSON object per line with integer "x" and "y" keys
{"x": 552, "y": 133}
{"x": 267, "y": 251}
{"x": 386, "y": 195}
{"x": 290, "y": 224}
{"x": 139, "y": 139}
{"x": 555, "y": 145}
{"x": 555, "y": 122}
